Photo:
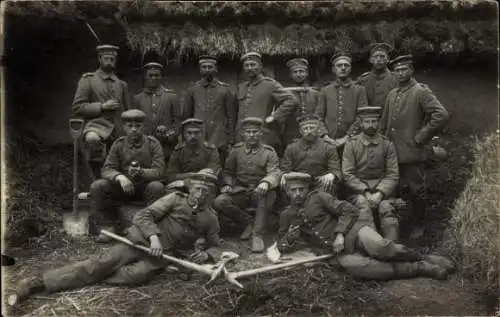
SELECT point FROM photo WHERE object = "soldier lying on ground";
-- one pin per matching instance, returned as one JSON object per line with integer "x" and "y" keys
{"x": 171, "y": 224}
{"x": 370, "y": 168}
{"x": 313, "y": 155}
{"x": 330, "y": 224}
{"x": 132, "y": 171}
{"x": 250, "y": 177}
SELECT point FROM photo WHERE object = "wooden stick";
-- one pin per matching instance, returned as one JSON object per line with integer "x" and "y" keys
{"x": 298, "y": 89}
{"x": 184, "y": 263}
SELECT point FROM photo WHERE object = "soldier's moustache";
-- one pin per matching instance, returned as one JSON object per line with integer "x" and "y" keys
{"x": 371, "y": 131}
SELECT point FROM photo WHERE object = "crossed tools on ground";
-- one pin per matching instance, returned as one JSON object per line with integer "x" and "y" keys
{"x": 219, "y": 269}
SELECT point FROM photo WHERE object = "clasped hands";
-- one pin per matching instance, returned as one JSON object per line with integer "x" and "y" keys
{"x": 260, "y": 190}
{"x": 374, "y": 199}
{"x": 156, "y": 249}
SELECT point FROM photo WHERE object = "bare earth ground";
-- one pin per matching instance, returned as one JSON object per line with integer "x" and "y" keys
{"x": 320, "y": 290}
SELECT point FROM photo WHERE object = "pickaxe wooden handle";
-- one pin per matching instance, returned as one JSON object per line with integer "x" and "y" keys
{"x": 299, "y": 89}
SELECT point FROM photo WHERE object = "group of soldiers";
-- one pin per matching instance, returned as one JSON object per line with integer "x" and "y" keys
{"x": 331, "y": 159}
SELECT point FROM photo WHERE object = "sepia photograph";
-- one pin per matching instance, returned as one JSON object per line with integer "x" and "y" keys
{"x": 250, "y": 158}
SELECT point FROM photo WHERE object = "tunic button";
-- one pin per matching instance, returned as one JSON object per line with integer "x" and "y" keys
{"x": 316, "y": 232}
{"x": 393, "y": 129}
{"x": 393, "y": 118}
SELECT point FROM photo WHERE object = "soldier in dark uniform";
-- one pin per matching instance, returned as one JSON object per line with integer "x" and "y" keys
{"x": 211, "y": 100}
{"x": 308, "y": 98}
{"x": 339, "y": 101}
{"x": 132, "y": 170}
{"x": 313, "y": 155}
{"x": 264, "y": 98}
{"x": 170, "y": 225}
{"x": 412, "y": 116}
{"x": 371, "y": 174}
{"x": 100, "y": 98}
{"x": 162, "y": 108}
{"x": 330, "y": 225}
{"x": 380, "y": 80}
{"x": 192, "y": 153}
{"x": 250, "y": 177}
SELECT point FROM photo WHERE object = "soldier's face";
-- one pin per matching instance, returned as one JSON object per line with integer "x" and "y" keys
{"x": 403, "y": 73}
{"x": 193, "y": 135}
{"x": 252, "y": 68}
{"x": 252, "y": 135}
{"x": 342, "y": 69}
{"x": 107, "y": 61}
{"x": 199, "y": 194}
{"x": 299, "y": 75}
{"x": 370, "y": 125}
{"x": 208, "y": 70}
{"x": 309, "y": 131}
{"x": 133, "y": 129}
{"x": 379, "y": 60}
{"x": 153, "y": 78}
{"x": 297, "y": 193}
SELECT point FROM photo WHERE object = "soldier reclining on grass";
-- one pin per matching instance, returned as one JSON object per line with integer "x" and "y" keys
{"x": 171, "y": 224}
{"x": 327, "y": 223}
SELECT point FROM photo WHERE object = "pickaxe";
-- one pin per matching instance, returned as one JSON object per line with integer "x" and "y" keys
{"x": 298, "y": 89}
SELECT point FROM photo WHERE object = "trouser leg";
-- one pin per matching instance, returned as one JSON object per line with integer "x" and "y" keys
{"x": 136, "y": 273}
{"x": 95, "y": 269}
{"x": 231, "y": 207}
{"x": 389, "y": 223}
{"x": 105, "y": 197}
{"x": 383, "y": 249}
{"x": 153, "y": 191}
{"x": 264, "y": 206}
{"x": 412, "y": 177}
{"x": 365, "y": 211}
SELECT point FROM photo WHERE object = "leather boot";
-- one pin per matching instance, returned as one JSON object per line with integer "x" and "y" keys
{"x": 245, "y": 235}
{"x": 420, "y": 268}
{"x": 390, "y": 229}
{"x": 257, "y": 244}
{"x": 442, "y": 261}
{"x": 25, "y": 288}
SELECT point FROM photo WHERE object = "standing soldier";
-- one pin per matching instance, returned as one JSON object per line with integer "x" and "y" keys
{"x": 313, "y": 155}
{"x": 264, "y": 98}
{"x": 308, "y": 98}
{"x": 192, "y": 153}
{"x": 380, "y": 80}
{"x": 132, "y": 170}
{"x": 100, "y": 98}
{"x": 333, "y": 225}
{"x": 210, "y": 100}
{"x": 339, "y": 101}
{"x": 412, "y": 116}
{"x": 251, "y": 175}
{"x": 161, "y": 106}
{"x": 370, "y": 168}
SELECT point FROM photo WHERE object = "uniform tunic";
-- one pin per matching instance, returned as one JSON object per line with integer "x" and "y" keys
{"x": 213, "y": 103}
{"x": 338, "y": 107}
{"x": 377, "y": 86}
{"x": 320, "y": 219}
{"x": 185, "y": 159}
{"x": 316, "y": 159}
{"x": 308, "y": 101}
{"x": 92, "y": 91}
{"x": 412, "y": 115}
{"x": 259, "y": 99}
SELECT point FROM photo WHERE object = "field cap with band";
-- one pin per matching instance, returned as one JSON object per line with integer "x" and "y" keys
{"x": 251, "y": 56}
{"x": 298, "y": 178}
{"x": 152, "y": 65}
{"x": 133, "y": 115}
{"x": 297, "y": 63}
{"x": 369, "y": 112}
{"x": 380, "y": 47}
{"x": 309, "y": 119}
{"x": 402, "y": 60}
{"x": 107, "y": 49}
{"x": 341, "y": 56}
{"x": 192, "y": 123}
{"x": 252, "y": 121}
{"x": 207, "y": 59}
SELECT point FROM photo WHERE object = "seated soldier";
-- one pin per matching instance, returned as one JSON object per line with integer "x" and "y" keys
{"x": 250, "y": 177}
{"x": 132, "y": 171}
{"x": 171, "y": 224}
{"x": 191, "y": 154}
{"x": 313, "y": 155}
{"x": 333, "y": 225}
{"x": 371, "y": 173}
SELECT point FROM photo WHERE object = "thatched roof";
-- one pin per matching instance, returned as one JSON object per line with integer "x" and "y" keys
{"x": 278, "y": 28}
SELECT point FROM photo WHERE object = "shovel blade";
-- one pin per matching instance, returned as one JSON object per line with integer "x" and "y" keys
{"x": 76, "y": 225}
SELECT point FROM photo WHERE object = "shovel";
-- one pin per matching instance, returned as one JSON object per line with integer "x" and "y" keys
{"x": 76, "y": 224}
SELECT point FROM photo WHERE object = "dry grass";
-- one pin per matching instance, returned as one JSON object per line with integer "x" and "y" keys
{"x": 475, "y": 217}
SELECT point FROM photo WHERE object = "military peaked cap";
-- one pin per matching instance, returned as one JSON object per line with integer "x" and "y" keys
{"x": 152, "y": 65}
{"x": 133, "y": 115}
{"x": 207, "y": 59}
{"x": 251, "y": 55}
{"x": 297, "y": 178}
{"x": 192, "y": 123}
{"x": 402, "y": 60}
{"x": 252, "y": 121}
{"x": 309, "y": 118}
{"x": 297, "y": 63}
{"x": 100, "y": 49}
{"x": 375, "y": 47}
{"x": 341, "y": 55}
{"x": 205, "y": 177}
{"x": 369, "y": 111}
